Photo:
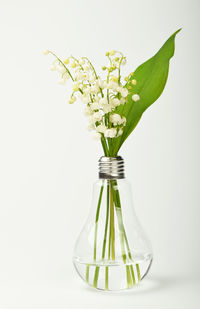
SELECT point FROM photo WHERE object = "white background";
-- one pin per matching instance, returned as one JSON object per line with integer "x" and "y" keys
{"x": 48, "y": 161}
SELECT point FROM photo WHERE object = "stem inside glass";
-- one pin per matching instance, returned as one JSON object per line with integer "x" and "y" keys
{"x": 113, "y": 206}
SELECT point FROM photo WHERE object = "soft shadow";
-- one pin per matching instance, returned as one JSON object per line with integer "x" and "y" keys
{"x": 149, "y": 285}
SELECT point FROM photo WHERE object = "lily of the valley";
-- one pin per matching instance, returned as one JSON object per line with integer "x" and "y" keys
{"x": 102, "y": 96}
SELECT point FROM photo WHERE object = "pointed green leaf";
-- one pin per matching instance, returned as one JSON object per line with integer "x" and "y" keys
{"x": 151, "y": 77}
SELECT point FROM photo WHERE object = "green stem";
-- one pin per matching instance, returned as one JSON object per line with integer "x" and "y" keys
{"x": 96, "y": 275}
{"x": 113, "y": 202}
{"x": 109, "y": 244}
{"x": 112, "y": 224}
{"x": 106, "y": 278}
{"x": 138, "y": 272}
{"x": 62, "y": 64}
{"x": 87, "y": 273}
{"x": 77, "y": 62}
{"x": 106, "y": 224}
{"x": 105, "y": 237}
{"x": 123, "y": 235}
{"x": 120, "y": 221}
{"x": 96, "y": 220}
{"x": 104, "y": 145}
{"x": 95, "y": 235}
{"x": 128, "y": 248}
{"x": 95, "y": 73}
{"x": 118, "y": 206}
{"x": 90, "y": 63}
{"x": 128, "y": 277}
{"x": 104, "y": 244}
{"x": 132, "y": 273}
{"x": 119, "y": 69}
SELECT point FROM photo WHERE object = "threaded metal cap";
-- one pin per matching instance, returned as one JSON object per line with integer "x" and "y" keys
{"x": 111, "y": 168}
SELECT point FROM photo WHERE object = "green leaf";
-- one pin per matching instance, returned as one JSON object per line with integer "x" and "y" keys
{"x": 151, "y": 77}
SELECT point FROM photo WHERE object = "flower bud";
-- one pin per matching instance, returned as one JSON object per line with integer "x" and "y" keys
{"x": 82, "y": 62}
{"x": 135, "y": 97}
{"x": 101, "y": 128}
{"x": 95, "y": 106}
{"x": 115, "y": 102}
{"x": 120, "y": 132}
{"x": 114, "y": 79}
{"x": 97, "y": 116}
{"x": 112, "y": 52}
{"x": 72, "y": 100}
{"x": 46, "y": 52}
{"x": 134, "y": 82}
{"x": 123, "y": 61}
{"x": 110, "y": 133}
{"x": 124, "y": 92}
{"x": 73, "y": 65}
{"x": 75, "y": 87}
{"x": 66, "y": 61}
{"x": 115, "y": 119}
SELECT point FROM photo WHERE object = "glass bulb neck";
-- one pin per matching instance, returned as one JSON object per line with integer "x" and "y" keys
{"x": 111, "y": 168}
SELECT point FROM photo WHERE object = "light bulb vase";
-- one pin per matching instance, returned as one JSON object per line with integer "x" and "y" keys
{"x": 112, "y": 251}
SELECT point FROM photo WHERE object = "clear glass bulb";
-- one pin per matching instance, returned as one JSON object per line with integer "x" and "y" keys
{"x": 112, "y": 251}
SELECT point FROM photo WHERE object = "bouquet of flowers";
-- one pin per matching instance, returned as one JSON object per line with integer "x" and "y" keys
{"x": 114, "y": 105}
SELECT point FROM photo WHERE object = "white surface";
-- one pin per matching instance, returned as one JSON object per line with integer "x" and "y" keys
{"x": 153, "y": 293}
{"x": 48, "y": 162}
